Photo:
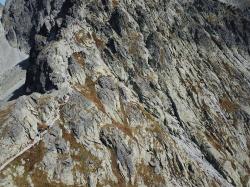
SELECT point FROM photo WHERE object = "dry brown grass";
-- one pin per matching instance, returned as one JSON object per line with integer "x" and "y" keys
{"x": 115, "y": 3}
{"x": 79, "y": 57}
{"x": 229, "y": 69}
{"x": 123, "y": 128}
{"x": 42, "y": 127}
{"x": 211, "y": 18}
{"x": 214, "y": 184}
{"x": 82, "y": 38}
{"x": 155, "y": 128}
{"x": 89, "y": 91}
{"x": 149, "y": 176}
{"x": 39, "y": 179}
{"x": 214, "y": 141}
{"x": 228, "y": 105}
{"x": 43, "y": 100}
{"x": 33, "y": 157}
{"x": 195, "y": 87}
{"x": 100, "y": 44}
{"x": 82, "y": 156}
{"x": 5, "y": 113}
{"x": 134, "y": 45}
{"x": 162, "y": 56}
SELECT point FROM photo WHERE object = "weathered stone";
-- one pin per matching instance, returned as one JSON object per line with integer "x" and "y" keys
{"x": 143, "y": 93}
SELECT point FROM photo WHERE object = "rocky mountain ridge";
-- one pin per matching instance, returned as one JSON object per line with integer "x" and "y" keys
{"x": 130, "y": 93}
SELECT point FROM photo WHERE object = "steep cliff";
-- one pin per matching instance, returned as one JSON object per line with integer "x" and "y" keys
{"x": 136, "y": 93}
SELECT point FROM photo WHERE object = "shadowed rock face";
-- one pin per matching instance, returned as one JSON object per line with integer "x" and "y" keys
{"x": 143, "y": 93}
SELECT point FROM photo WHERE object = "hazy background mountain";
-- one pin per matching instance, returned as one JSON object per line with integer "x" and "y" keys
{"x": 12, "y": 67}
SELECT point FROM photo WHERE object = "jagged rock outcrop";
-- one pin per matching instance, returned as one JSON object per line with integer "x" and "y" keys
{"x": 136, "y": 93}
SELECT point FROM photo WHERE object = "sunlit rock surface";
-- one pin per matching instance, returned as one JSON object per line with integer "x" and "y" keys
{"x": 136, "y": 93}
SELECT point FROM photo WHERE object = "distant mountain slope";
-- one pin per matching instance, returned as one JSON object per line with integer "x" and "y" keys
{"x": 242, "y": 4}
{"x": 12, "y": 73}
{"x": 9, "y": 56}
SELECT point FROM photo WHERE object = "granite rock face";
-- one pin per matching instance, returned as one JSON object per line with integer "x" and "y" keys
{"x": 129, "y": 93}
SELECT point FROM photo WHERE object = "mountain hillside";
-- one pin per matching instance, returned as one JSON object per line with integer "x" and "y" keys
{"x": 12, "y": 66}
{"x": 129, "y": 93}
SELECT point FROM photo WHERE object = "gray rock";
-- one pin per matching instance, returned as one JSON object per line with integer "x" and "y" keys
{"x": 139, "y": 93}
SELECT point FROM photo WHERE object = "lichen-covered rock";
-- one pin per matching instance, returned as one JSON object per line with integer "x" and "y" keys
{"x": 136, "y": 93}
